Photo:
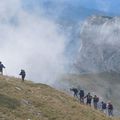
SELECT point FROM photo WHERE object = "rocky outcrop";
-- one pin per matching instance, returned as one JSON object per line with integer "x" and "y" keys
{"x": 100, "y": 45}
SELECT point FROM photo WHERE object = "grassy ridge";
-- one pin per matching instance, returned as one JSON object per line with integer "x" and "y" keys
{"x": 105, "y": 85}
{"x": 23, "y": 101}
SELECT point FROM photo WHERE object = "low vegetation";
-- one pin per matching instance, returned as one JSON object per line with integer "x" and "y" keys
{"x": 30, "y": 101}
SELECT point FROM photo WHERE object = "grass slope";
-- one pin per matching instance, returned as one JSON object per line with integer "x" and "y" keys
{"x": 105, "y": 85}
{"x": 30, "y": 101}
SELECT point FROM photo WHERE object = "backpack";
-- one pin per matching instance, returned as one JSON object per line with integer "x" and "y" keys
{"x": 110, "y": 106}
{"x": 97, "y": 99}
{"x": 75, "y": 90}
{"x": 22, "y": 72}
{"x": 81, "y": 93}
{"x": 104, "y": 106}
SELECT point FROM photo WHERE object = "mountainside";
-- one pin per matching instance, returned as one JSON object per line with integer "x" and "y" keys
{"x": 69, "y": 16}
{"x": 100, "y": 45}
{"x": 30, "y": 101}
{"x": 105, "y": 85}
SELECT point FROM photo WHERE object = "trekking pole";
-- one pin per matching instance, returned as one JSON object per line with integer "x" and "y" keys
{"x": 18, "y": 77}
{"x": 5, "y": 72}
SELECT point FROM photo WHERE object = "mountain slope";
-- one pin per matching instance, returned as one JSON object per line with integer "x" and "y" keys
{"x": 106, "y": 85}
{"x": 29, "y": 101}
{"x": 100, "y": 44}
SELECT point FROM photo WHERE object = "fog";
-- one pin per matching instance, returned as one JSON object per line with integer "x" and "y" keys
{"x": 99, "y": 51}
{"x": 32, "y": 42}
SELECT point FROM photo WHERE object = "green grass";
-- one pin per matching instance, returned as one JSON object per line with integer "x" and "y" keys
{"x": 6, "y": 101}
{"x": 40, "y": 102}
{"x": 106, "y": 85}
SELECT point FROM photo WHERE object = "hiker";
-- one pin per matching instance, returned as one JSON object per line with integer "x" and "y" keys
{"x": 75, "y": 90}
{"x": 23, "y": 74}
{"x": 95, "y": 101}
{"x": 81, "y": 94}
{"x": 103, "y": 106}
{"x": 89, "y": 99}
{"x": 1, "y": 68}
{"x": 110, "y": 109}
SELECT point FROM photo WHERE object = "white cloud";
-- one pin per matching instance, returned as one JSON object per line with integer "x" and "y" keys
{"x": 34, "y": 44}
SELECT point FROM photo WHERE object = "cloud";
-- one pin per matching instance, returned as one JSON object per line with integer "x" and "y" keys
{"x": 31, "y": 42}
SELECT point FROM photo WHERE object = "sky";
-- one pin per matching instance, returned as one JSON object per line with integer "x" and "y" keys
{"x": 109, "y": 6}
{"x": 31, "y": 40}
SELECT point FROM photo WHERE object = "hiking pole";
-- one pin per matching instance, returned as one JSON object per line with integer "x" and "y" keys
{"x": 5, "y": 72}
{"x": 18, "y": 77}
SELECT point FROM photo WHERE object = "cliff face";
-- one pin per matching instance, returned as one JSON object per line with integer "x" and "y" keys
{"x": 100, "y": 45}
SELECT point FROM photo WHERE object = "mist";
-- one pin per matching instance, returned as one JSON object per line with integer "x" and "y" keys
{"x": 99, "y": 50}
{"x": 32, "y": 42}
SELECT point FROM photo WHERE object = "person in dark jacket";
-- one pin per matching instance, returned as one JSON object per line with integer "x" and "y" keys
{"x": 110, "y": 109}
{"x": 1, "y": 68}
{"x": 81, "y": 94}
{"x": 89, "y": 99}
{"x": 23, "y": 74}
{"x": 75, "y": 90}
{"x": 95, "y": 101}
{"x": 103, "y": 106}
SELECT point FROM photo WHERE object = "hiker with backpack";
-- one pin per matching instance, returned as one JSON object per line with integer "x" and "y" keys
{"x": 75, "y": 91}
{"x": 23, "y": 74}
{"x": 1, "y": 68}
{"x": 95, "y": 101}
{"x": 110, "y": 109}
{"x": 89, "y": 99}
{"x": 103, "y": 107}
{"x": 81, "y": 94}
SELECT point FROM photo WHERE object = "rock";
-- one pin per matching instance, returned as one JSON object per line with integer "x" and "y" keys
{"x": 25, "y": 102}
{"x": 100, "y": 45}
{"x": 18, "y": 88}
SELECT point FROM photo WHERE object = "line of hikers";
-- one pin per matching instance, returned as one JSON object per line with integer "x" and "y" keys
{"x": 22, "y": 72}
{"x": 105, "y": 107}
{"x": 89, "y": 98}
